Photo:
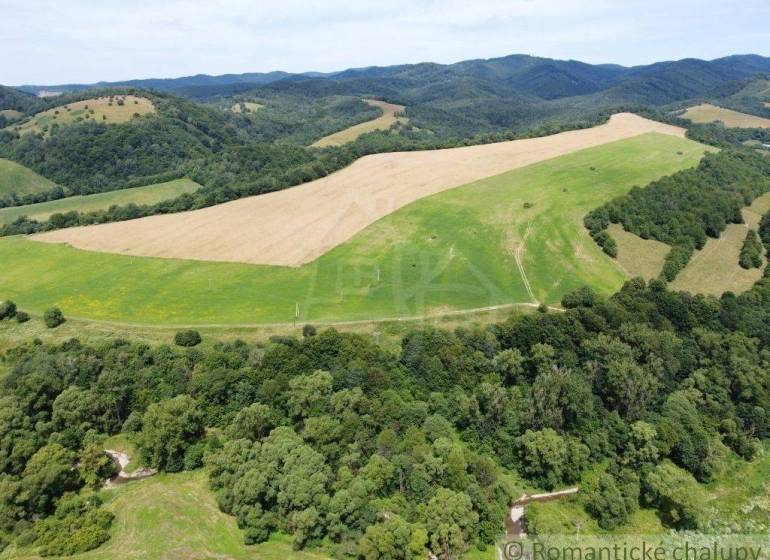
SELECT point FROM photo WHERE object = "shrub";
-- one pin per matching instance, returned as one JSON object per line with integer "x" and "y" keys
{"x": 308, "y": 331}
{"x": 22, "y": 317}
{"x": 53, "y": 317}
{"x": 7, "y": 310}
{"x": 187, "y": 338}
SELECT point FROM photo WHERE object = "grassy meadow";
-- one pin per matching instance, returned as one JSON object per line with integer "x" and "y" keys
{"x": 110, "y": 110}
{"x": 514, "y": 238}
{"x": 150, "y": 194}
{"x": 706, "y": 113}
{"x": 637, "y": 256}
{"x": 175, "y": 516}
{"x": 15, "y": 178}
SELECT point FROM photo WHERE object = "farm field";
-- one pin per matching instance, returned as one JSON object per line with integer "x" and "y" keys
{"x": 467, "y": 248}
{"x": 110, "y": 110}
{"x": 706, "y": 113}
{"x": 149, "y": 194}
{"x": 383, "y": 122}
{"x": 175, "y": 516}
{"x": 15, "y": 178}
{"x": 297, "y": 225}
{"x": 246, "y": 107}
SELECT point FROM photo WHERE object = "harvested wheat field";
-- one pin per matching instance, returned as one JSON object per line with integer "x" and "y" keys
{"x": 707, "y": 113}
{"x": 296, "y": 225}
{"x": 383, "y": 122}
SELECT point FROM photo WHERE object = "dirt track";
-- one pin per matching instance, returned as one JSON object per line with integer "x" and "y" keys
{"x": 296, "y": 225}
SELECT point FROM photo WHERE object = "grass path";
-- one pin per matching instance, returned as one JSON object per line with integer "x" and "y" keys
{"x": 448, "y": 253}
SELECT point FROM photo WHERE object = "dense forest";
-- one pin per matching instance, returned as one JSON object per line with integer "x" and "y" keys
{"x": 359, "y": 449}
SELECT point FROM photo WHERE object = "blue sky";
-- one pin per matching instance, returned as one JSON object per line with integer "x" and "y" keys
{"x": 55, "y": 41}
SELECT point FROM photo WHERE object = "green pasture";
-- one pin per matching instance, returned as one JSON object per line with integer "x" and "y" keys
{"x": 150, "y": 194}
{"x": 455, "y": 250}
{"x": 15, "y": 178}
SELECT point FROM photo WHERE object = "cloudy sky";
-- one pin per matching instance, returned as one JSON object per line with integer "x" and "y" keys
{"x": 55, "y": 41}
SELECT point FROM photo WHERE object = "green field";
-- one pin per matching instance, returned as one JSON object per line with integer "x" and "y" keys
{"x": 460, "y": 249}
{"x": 175, "y": 516}
{"x": 150, "y": 194}
{"x": 15, "y": 178}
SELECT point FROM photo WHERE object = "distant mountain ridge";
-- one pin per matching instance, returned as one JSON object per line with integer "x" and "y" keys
{"x": 543, "y": 77}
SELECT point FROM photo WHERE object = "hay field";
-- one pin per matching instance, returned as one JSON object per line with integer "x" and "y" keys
{"x": 15, "y": 178}
{"x": 297, "y": 225}
{"x": 111, "y": 110}
{"x": 714, "y": 269}
{"x": 246, "y": 107}
{"x": 707, "y": 113}
{"x": 149, "y": 194}
{"x": 473, "y": 247}
{"x": 637, "y": 256}
{"x": 383, "y": 122}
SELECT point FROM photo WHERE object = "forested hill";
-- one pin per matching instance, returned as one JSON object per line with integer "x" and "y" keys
{"x": 542, "y": 77}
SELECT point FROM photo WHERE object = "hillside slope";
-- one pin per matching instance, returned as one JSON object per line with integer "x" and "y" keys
{"x": 506, "y": 240}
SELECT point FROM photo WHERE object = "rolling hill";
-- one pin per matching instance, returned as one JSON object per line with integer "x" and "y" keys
{"x": 515, "y": 238}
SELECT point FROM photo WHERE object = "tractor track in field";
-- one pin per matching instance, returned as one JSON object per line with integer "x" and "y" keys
{"x": 518, "y": 256}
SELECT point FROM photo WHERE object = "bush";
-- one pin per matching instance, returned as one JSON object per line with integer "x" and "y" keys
{"x": 308, "y": 331}
{"x": 22, "y": 317}
{"x": 187, "y": 338}
{"x": 7, "y": 310}
{"x": 53, "y": 317}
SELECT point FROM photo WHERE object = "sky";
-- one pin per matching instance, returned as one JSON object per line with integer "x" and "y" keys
{"x": 48, "y": 42}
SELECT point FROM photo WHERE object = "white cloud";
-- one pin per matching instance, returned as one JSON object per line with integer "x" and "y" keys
{"x": 47, "y": 41}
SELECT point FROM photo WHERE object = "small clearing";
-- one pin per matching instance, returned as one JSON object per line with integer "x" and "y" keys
{"x": 11, "y": 114}
{"x": 296, "y": 225}
{"x": 384, "y": 122}
{"x": 114, "y": 109}
{"x": 637, "y": 256}
{"x": 246, "y": 107}
{"x": 706, "y": 113}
